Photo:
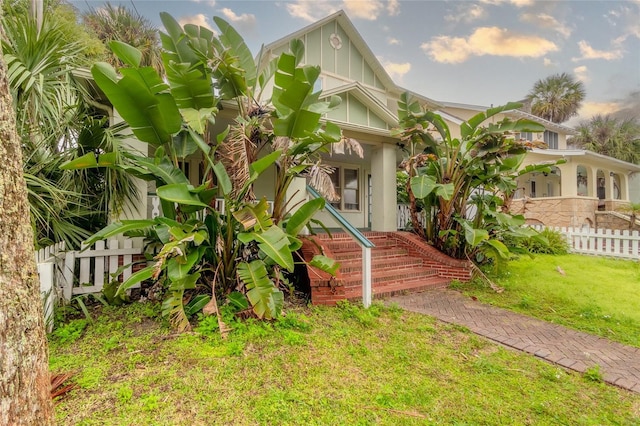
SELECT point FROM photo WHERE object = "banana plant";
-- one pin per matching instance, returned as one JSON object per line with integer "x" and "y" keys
{"x": 241, "y": 248}
{"x": 449, "y": 175}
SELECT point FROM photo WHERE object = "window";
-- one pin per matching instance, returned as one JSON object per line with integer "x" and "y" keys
{"x": 347, "y": 185}
{"x": 551, "y": 139}
{"x": 527, "y": 136}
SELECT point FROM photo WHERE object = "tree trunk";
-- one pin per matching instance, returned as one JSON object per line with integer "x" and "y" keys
{"x": 24, "y": 373}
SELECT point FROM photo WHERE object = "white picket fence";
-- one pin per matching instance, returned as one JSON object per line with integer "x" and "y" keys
{"x": 601, "y": 242}
{"x": 67, "y": 273}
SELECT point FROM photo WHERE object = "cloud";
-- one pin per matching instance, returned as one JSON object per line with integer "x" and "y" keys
{"x": 393, "y": 41}
{"x": 589, "y": 52}
{"x": 589, "y": 109}
{"x": 312, "y": 11}
{"x": 546, "y": 21}
{"x": 396, "y": 70}
{"x": 548, "y": 62}
{"x": 467, "y": 13}
{"x": 582, "y": 74}
{"x": 210, "y": 3}
{"x": 246, "y": 20}
{"x": 199, "y": 19}
{"x": 393, "y": 7}
{"x": 487, "y": 41}
{"x": 369, "y": 10}
{"x": 517, "y": 3}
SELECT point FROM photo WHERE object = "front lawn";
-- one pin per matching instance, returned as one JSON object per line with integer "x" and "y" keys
{"x": 317, "y": 366}
{"x": 597, "y": 295}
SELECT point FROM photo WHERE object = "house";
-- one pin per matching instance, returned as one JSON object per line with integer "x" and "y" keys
{"x": 571, "y": 194}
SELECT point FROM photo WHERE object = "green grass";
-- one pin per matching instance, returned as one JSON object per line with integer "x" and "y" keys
{"x": 319, "y": 366}
{"x": 596, "y": 294}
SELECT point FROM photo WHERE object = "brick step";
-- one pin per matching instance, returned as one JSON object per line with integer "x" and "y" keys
{"x": 355, "y": 279}
{"x": 377, "y": 252}
{"x": 393, "y": 288}
{"x": 353, "y": 246}
{"x": 381, "y": 263}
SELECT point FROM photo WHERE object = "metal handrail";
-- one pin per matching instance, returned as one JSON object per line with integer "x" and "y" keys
{"x": 360, "y": 239}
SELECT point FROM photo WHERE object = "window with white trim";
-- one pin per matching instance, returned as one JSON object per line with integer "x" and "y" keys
{"x": 346, "y": 181}
{"x": 551, "y": 139}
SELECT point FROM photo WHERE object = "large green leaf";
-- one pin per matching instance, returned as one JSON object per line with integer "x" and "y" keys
{"x": 179, "y": 193}
{"x": 499, "y": 248}
{"x": 303, "y": 215}
{"x": 126, "y": 53}
{"x": 89, "y": 160}
{"x": 325, "y": 264}
{"x": 233, "y": 41}
{"x": 118, "y": 228}
{"x": 265, "y": 162}
{"x": 223, "y": 178}
{"x": 152, "y": 116}
{"x": 265, "y": 298}
{"x": 422, "y": 186}
{"x": 188, "y": 282}
{"x": 274, "y": 242}
{"x": 472, "y": 235}
{"x": 135, "y": 278}
{"x": 179, "y": 267}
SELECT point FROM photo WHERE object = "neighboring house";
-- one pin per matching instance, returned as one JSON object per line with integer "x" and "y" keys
{"x": 579, "y": 192}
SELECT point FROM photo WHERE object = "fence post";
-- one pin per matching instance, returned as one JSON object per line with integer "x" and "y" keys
{"x": 47, "y": 292}
{"x": 68, "y": 268}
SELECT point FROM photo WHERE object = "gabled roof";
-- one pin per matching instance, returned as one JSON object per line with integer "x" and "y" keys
{"x": 560, "y": 153}
{"x": 549, "y": 125}
{"x": 360, "y": 44}
{"x": 353, "y": 35}
{"x": 363, "y": 95}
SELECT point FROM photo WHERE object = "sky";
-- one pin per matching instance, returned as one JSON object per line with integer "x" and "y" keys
{"x": 485, "y": 52}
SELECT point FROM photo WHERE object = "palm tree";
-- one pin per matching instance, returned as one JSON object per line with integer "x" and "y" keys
{"x": 618, "y": 138}
{"x": 52, "y": 121}
{"x": 556, "y": 98}
{"x": 120, "y": 23}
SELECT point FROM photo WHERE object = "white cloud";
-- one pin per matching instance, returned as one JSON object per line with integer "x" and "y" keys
{"x": 487, "y": 41}
{"x": 518, "y": 3}
{"x": 548, "y": 62}
{"x": 312, "y": 11}
{"x": 546, "y": 21}
{"x": 396, "y": 70}
{"x": 210, "y": 3}
{"x": 592, "y": 108}
{"x": 582, "y": 73}
{"x": 199, "y": 19}
{"x": 370, "y": 10}
{"x": 589, "y": 52}
{"x": 246, "y": 19}
{"x": 393, "y": 7}
{"x": 393, "y": 41}
{"x": 467, "y": 13}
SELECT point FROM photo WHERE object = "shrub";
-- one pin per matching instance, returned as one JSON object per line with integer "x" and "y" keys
{"x": 555, "y": 243}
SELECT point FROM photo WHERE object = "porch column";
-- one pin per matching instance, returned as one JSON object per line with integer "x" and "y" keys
{"x": 568, "y": 180}
{"x": 609, "y": 181}
{"x": 383, "y": 181}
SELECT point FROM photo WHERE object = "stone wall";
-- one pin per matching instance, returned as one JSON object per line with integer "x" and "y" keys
{"x": 606, "y": 220}
{"x": 557, "y": 211}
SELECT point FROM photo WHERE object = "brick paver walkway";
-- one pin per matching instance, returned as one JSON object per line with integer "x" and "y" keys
{"x": 619, "y": 364}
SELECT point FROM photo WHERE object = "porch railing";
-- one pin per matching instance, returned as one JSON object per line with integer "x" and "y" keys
{"x": 362, "y": 242}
